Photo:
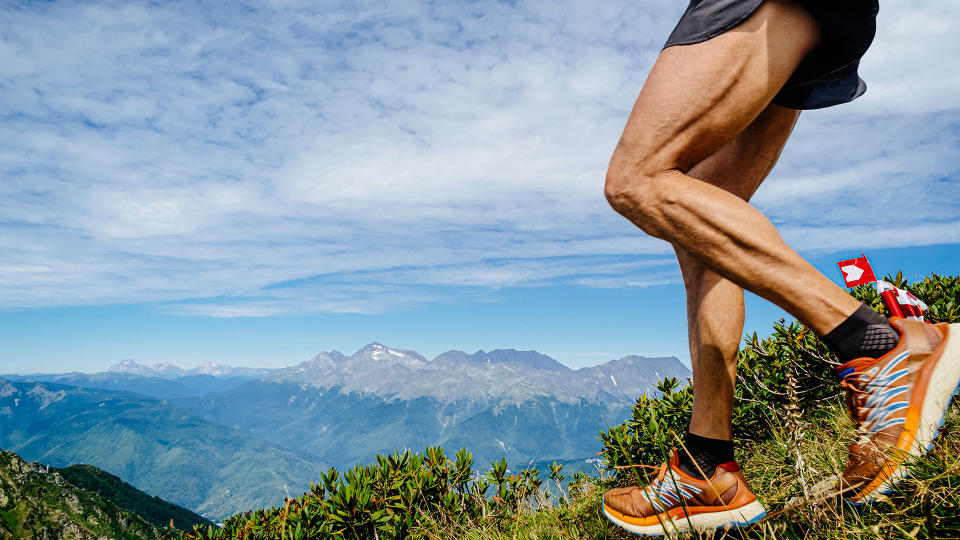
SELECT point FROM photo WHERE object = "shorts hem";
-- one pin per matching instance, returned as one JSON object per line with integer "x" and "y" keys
{"x": 713, "y": 32}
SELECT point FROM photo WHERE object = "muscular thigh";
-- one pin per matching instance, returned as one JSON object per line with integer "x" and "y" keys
{"x": 743, "y": 162}
{"x": 700, "y": 97}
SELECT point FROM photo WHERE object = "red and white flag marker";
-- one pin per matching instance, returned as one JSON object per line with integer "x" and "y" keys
{"x": 857, "y": 271}
{"x": 908, "y": 305}
{"x": 901, "y": 303}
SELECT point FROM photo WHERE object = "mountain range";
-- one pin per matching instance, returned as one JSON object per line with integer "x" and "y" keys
{"x": 160, "y": 380}
{"x": 502, "y": 375}
{"x": 225, "y": 440}
{"x": 521, "y": 405}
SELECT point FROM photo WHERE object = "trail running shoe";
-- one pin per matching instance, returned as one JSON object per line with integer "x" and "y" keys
{"x": 674, "y": 502}
{"x": 898, "y": 402}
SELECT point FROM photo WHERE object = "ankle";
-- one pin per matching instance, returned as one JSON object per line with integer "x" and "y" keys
{"x": 864, "y": 334}
{"x": 700, "y": 456}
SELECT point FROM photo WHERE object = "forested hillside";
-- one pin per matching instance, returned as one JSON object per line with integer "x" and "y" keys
{"x": 111, "y": 488}
{"x": 37, "y": 502}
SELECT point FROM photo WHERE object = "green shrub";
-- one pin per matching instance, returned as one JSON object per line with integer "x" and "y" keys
{"x": 390, "y": 498}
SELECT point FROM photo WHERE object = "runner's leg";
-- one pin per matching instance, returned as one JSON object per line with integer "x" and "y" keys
{"x": 714, "y": 304}
{"x": 697, "y": 99}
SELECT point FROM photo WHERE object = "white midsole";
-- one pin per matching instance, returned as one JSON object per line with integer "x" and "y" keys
{"x": 700, "y": 522}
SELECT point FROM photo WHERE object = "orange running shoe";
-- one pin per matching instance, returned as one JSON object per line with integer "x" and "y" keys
{"x": 898, "y": 402}
{"x": 674, "y": 502}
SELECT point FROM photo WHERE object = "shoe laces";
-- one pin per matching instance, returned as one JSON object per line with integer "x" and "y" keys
{"x": 871, "y": 394}
{"x": 855, "y": 384}
{"x": 668, "y": 488}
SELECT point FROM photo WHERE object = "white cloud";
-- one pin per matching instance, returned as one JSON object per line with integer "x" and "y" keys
{"x": 406, "y": 152}
{"x": 913, "y": 59}
{"x": 871, "y": 235}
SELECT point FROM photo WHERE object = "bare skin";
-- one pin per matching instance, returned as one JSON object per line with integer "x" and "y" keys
{"x": 700, "y": 139}
{"x": 715, "y": 309}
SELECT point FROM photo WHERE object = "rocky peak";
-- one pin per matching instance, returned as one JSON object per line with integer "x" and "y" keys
{"x": 382, "y": 354}
{"x": 6, "y": 388}
{"x": 167, "y": 369}
{"x": 132, "y": 367}
{"x": 524, "y": 360}
{"x": 211, "y": 368}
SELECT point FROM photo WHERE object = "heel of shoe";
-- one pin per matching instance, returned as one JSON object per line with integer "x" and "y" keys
{"x": 944, "y": 384}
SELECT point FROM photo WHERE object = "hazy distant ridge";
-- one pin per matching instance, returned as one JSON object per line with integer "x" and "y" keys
{"x": 170, "y": 371}
{"x": 161, "y": 380}
{"x": 500, "y": 374}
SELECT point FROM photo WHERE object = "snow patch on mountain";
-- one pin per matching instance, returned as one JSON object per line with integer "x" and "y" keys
{"x": 131, "y": 367}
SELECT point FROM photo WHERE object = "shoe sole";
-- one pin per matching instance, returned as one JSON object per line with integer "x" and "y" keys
{"x": 942, "y": 385}
{"x": 743, "y": 516}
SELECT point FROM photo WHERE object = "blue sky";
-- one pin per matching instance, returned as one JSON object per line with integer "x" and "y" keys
{"x": 255, "y": 183}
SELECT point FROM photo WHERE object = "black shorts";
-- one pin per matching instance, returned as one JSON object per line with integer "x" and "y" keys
{"x": 828, "y": 75}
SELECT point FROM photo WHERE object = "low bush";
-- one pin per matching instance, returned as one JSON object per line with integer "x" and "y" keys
{"x": 395, "y": 496}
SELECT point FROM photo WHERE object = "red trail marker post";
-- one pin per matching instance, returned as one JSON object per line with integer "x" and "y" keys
{"x": 901, "y": 303}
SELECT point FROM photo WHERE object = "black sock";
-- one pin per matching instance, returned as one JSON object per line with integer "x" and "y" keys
{"x": 708, "y": 454}
{"x": 866, "y": 333}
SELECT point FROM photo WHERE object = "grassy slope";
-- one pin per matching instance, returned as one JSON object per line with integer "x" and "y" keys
{"x": 154, "y": 509}
{"x": 925, "y": 505}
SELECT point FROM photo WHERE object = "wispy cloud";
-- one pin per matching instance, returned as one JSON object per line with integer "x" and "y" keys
{"x": 286, "y": 157}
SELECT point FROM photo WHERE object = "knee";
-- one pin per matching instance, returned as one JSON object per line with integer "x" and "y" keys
{"x": 638, "y": 194}
{"x": 627, "y": 189}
